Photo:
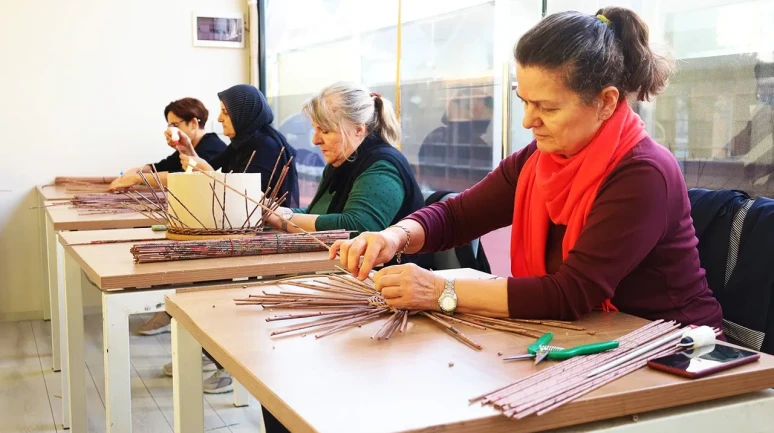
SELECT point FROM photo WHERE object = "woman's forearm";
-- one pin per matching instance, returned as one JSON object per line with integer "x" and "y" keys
{"x": 306, "y": 222}
{"x": 416, "y": 232}
{"x": 485, "y": 297}
{"x": 151, "y": 179}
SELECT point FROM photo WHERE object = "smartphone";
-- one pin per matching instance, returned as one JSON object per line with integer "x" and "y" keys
{"x": 696, "y": 363}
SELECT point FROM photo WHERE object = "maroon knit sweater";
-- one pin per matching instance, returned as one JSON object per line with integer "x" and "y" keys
{"x": 638, "y": 247}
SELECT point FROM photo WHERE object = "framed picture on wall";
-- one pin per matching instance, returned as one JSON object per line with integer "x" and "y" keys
{"x": 226, "y": 30}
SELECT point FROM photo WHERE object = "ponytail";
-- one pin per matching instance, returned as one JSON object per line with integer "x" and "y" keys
{"x": 386, "y": 121}
{"x": 645, "y": 72}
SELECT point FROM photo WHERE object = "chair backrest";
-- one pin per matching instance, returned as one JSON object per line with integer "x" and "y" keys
{"x": 736, "y": 248}
{"x": 466, "y": 256}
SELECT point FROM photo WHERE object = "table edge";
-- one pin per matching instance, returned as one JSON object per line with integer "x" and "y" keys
{"x": 594, "y": 409}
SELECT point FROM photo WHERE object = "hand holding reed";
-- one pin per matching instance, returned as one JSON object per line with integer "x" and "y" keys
{"x": 409, "y": 287}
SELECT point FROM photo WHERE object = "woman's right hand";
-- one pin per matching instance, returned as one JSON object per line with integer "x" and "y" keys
{"x": 168, "y": 137}
{"x": 124, "y": 182}
{"x": 376, "y": 248}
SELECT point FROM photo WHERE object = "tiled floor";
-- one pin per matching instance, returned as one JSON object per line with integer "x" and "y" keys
{"x": 30, "y": 392}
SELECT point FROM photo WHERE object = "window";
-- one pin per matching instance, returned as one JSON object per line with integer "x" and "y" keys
{"x": 313, "y": 43}
{"x": 451, "y": 56}
{"x": 716, "y": 116}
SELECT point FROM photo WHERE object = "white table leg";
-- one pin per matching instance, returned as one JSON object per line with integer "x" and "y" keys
{"x": 187, "y": 392}
{"x": 74, "y": 362}
{"x": 118, "y": 389}
{"x": 241, "y": 396}
{"x": 54, "y": 268}
{"x": 44, "y": 256}
{"x": 117, "y": 306}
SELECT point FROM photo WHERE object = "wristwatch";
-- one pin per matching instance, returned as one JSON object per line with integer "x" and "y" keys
{"x": 448, "y": 299}
{"x": 287, "y": 215}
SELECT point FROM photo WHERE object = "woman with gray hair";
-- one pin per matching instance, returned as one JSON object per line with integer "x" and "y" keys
{"x": 367, "y": 183}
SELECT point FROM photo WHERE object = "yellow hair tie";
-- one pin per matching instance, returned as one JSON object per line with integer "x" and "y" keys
{"x": 604, "y": 19}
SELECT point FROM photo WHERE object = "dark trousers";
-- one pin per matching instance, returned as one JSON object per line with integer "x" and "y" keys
{"x": 220, "y": 367}
{"x": 272, "y": 424}
{"x": 217, "y": 364}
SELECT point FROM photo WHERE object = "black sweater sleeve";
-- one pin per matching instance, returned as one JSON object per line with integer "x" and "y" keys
{"x": 208, "y": 148}
{"x": 266, "y": 152}
{"x": 170, "y": 164}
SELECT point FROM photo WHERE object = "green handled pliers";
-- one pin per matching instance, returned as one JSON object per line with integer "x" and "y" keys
{"x": 540, "y": 350}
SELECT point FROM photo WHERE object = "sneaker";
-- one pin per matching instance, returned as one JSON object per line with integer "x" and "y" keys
{"x": 158, "y": 324}
{"x": 207, "y": 366}
{"x": 218, "y": 383}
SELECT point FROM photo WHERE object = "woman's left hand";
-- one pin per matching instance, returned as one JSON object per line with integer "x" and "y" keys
{"x": 274, "y": 220}
{"x": 409, "y": 287}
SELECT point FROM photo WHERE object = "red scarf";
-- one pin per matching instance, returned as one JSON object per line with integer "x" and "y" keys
{"x": 562, "y": 190}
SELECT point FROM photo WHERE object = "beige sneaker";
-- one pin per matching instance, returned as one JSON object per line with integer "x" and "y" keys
{"x": 207, "y": 367}
{"x": 218, "y": 383}
{"x": 158, "y": 324}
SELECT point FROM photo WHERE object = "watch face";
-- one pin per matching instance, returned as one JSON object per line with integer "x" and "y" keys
{"x": 447, "y": 303}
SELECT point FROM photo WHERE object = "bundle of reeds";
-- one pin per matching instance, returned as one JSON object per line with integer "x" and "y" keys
{"x": 115, "y": 203}
{"x": 260, "y": 244}
{"x": 566, "y": 381}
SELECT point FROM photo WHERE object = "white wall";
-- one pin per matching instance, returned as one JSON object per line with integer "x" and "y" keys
{"x": 83, "y": 85}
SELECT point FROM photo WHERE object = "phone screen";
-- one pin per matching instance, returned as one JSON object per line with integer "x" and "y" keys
{"x": 694, "y": 361}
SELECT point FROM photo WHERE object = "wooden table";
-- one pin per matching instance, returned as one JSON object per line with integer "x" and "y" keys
{"x": 63, "y": 217}
{"x": 347, "y": 382}
{"x": 47, "y": 193}
{"x": 128, "y": 288}
{"x": 53, "y": 192}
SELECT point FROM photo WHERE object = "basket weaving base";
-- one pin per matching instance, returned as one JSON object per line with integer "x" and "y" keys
{"x": 177, "y": 234}
{"x": 203, "y": 237}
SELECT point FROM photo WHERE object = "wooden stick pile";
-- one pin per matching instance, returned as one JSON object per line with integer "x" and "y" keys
{"x": 564, "y": 382}
{"x": 260, "y": 244}
{"x": 90, "y": 185}
{"x": 65, "y": 180}
{"x": 115, "y": 203}
{"x": 343, "y": 301}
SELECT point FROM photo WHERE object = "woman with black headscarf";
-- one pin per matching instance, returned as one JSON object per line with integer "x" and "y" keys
{"x": 246, "y": 118}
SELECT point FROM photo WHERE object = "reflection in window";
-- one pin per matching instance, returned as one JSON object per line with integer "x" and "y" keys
{"x": 716, "y": 110}
{"x": 447, "y": 89}
{"x": 458, "y": 152}
{"x": 716, "y": 116}
{"x": 447, "y": 78}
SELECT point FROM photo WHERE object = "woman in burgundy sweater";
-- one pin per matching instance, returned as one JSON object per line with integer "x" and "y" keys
{"x": 600, "y": 212}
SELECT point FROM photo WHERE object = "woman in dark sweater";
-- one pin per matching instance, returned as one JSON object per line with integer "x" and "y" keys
{"x": 188, "y": 115}
{"x": 367, "y": 183}
{"x": 600, "y": 212}
{"x": 246, "y": 119}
